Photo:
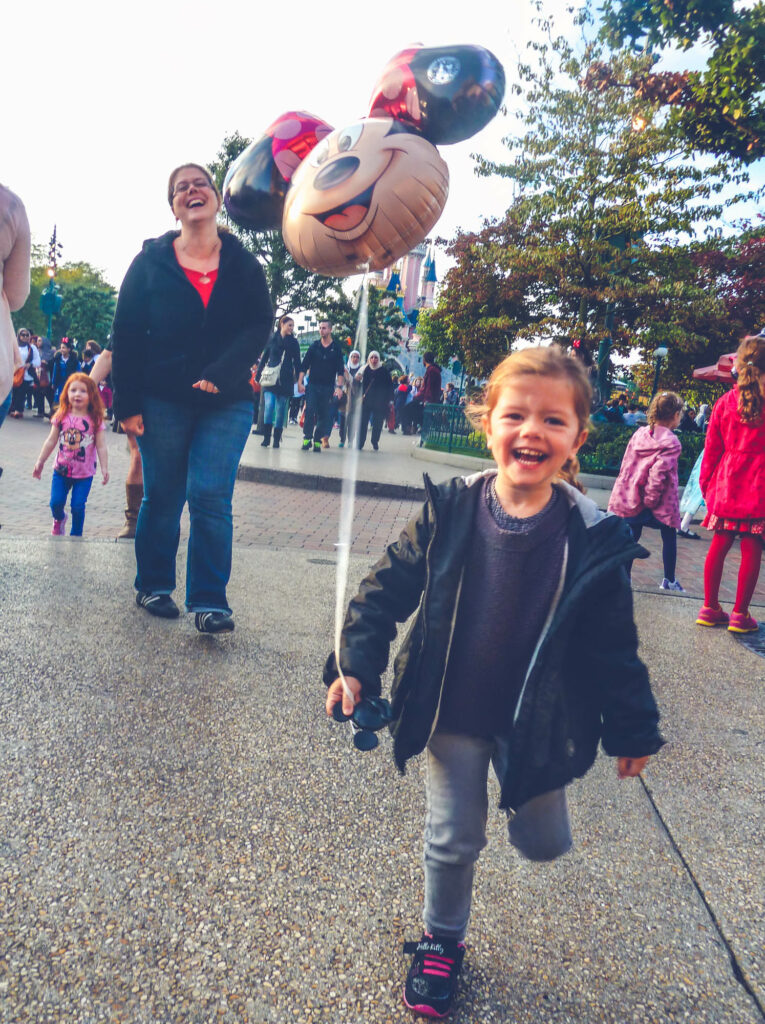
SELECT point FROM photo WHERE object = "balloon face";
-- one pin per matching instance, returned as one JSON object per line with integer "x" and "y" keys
{"x": 368, "y": 193}
{"x": 448, "y": 93}
{"x": 257, "y": 181}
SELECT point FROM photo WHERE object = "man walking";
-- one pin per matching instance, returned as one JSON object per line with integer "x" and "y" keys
{"x": 324, "y": 364}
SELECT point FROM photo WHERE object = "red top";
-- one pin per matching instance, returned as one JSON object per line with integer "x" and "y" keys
{"x": 204, "y": 288}
{"x": 732, "y": 475}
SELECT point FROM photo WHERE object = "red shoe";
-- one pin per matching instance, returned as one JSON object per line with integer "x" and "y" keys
{"x": 740, "y": 623}
{"x": 712, "y": 617}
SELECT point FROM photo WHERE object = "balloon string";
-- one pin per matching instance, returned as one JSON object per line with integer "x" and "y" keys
{"x": 348, "y": 492}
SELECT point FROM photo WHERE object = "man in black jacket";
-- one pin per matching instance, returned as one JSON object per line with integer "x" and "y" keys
{"x": 324, "y": 363}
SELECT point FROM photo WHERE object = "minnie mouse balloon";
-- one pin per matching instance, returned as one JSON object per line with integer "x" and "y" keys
{"x": 448, "y": 93}
{"x": 257, "y": 181}
{"x": 367, "y": 193}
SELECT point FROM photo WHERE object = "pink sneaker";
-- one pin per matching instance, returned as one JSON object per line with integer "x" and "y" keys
{"x": 740, "y": 623}
{"x": 59, "y": 526}
{"x": 712, "y": 617}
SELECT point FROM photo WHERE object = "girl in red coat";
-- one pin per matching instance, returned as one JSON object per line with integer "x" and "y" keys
{"x": 733, "y": 484}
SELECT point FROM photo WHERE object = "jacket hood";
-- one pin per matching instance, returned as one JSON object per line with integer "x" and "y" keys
{"x": 588, "y": 510}
{"x": 661, "y": 440}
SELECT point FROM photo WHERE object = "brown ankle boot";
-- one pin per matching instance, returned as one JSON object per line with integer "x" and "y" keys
{"x": 133, "y": 498}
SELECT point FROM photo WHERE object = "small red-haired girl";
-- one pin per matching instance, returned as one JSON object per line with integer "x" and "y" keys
{"x": 77, "y": 427}
{"x": 522, "y": 654}
{"x": 733, "y": 484}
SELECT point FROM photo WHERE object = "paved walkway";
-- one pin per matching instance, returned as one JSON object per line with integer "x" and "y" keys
{"x": 184, "y": 837}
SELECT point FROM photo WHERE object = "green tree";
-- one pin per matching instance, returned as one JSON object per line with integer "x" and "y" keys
{"x": 385, "y": 320}
{"x": 599, "y": 239}
{"x": 87, "y": 307}
{"x": 721, "y": 108}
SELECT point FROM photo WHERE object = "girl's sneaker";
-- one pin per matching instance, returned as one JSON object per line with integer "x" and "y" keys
{"x": 712, "y": 617}
{"x": 432, "y": 979}
{"x": 671, "y": 585}
{"x": 59, "y": 527}
{"x": 740, "y": 623}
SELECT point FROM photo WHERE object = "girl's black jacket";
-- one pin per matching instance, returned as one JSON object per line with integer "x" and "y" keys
{"x": 164, "y": 340}
{"x": 585, "y": 682}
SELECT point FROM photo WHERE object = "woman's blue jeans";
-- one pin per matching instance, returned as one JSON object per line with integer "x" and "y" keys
{"x": 274, "y": 408}
{"x": 189, "y": 455}
{"x": 80, "y": 488}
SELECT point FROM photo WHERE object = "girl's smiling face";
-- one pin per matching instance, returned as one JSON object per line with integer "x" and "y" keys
{"x": 531, "y": 432}
{"x": 78, "y": 395}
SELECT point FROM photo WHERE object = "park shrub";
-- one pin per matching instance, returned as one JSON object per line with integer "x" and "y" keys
{"x": 601, "y": 454}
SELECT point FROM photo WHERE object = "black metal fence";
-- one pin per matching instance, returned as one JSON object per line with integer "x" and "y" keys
{"x": 445, "y": 428}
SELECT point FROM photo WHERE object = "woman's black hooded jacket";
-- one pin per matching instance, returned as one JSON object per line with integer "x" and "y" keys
{"x": 164, "y": 340}
{"x": 585, "y": 682}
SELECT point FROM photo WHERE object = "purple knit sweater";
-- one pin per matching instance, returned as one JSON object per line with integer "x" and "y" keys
{"x": 511, "y": 576}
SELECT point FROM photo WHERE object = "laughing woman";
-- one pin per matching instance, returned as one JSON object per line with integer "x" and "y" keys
{"x": 192, "y": 317}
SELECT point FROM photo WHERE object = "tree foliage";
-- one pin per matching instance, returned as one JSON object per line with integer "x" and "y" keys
{"x": 720, "y": 109}
{"x": 87, "y": 307}
{"x": 601, "y": 235}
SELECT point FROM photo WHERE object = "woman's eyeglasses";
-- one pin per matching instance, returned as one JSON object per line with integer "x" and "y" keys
{"x": 184, "y": 186}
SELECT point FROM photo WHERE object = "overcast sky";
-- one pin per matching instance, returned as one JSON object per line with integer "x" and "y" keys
{"x": 103, "y": 100}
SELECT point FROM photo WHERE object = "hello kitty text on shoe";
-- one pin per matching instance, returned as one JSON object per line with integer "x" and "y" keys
{"x": 432, "y": 979}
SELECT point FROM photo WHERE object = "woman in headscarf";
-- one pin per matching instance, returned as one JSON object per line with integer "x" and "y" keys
{"x": 352, "y": 391}
{"x": 376, "y": 393}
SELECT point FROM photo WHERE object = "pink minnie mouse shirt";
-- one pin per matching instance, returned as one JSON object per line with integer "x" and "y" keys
{"x": 77, "y": 456}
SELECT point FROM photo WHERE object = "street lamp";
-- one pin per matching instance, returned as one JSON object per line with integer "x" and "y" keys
{"x": 50, "y": 300}
{"x": 659, "y": 354}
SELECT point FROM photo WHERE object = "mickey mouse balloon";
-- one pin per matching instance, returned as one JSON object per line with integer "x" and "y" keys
{"x": 257, "y": 181}
{"x": 448, "y": 94}
{"x": 368, "y": 193}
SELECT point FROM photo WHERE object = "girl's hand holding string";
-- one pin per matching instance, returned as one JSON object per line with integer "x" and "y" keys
{"x": 630, "y": 767}
{"x": 336, "y": 693}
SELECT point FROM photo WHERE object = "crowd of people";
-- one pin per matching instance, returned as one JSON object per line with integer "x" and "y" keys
{"x": 322, "y": 391}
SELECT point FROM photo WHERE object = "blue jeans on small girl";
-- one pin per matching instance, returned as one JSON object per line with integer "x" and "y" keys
{"x": 59, "y": 489}
{"x": 457, "y": 769}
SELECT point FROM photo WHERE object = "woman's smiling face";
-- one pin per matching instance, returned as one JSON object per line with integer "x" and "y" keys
{"x": 194, "y": 198}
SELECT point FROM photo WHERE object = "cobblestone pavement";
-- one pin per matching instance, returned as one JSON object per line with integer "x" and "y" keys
{"x": 274, "y": 516}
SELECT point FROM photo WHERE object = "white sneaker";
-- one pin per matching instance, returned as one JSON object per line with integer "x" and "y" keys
{"x": 671, "y": 585}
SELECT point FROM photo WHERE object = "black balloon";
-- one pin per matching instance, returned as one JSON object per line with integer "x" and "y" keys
{"x": 254, "y": 188}
{"x": 447, "y": 93}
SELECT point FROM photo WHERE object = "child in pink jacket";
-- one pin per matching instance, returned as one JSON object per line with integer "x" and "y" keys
{"x": 646, "y": 490}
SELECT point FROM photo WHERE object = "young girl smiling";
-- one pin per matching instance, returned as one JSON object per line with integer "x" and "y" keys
{"x": 522, "y": 654}
{"x": 77, "y": 427}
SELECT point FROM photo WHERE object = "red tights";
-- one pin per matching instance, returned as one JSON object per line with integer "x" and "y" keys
{"x": 751, "y": 555}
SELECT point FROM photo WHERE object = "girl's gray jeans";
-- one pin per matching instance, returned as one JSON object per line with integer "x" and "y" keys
{"x": 457, "y": 770}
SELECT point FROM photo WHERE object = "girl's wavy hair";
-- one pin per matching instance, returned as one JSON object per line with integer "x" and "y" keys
{"x": 663, "y": 407}
{"x": 95, "y": 404}
{"x": 750, "y": 363}
{"x": 539, "y": 362}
